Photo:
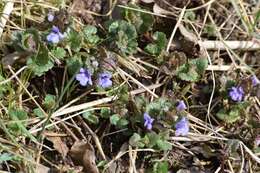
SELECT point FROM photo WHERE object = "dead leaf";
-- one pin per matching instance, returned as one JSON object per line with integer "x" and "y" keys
{"x": 85, "y": 9}
{"x": 42, "y": 169}
{"x": 158, "y": 10}
{"x": 10, "y": 59}
{"x": 83, "y": 154}
{"x": 59, "y": 145}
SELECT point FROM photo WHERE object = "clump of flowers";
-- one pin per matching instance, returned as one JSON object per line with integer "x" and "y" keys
{"x": 255, "y": 80}
{"x": 104, "y": 80}
{"x": 148, "y": 121}
{"x": 236, "y": 93}
{"x": 55, "y": 35}
{"x": 84, "y": 77}
{"x": 182, "y": 127}
{"x": 181, "y": 106}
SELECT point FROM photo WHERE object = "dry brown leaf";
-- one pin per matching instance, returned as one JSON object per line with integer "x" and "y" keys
{"x": 83, "y": 154}
{"x": 85, "y": 9}
{"x": 59, "y": 145}
{"x": 11, "y": 58}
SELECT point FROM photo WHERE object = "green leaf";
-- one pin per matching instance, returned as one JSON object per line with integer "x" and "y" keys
{"x": 19, "y": 117}
{"x": 38, "y": 112}
{"x": 19, "y": 114}
{"x": 3, "y": 87}
{"x": 39, "y": 70}
{"x": 122, "y": 123}
{"x": 42, "y": 56}
{"x": 74, "y": 40}
{"x": 122, "y": 92}
{"x": 232, "y": 114}
{"x": 40, "y": 63}
{"x": 59, "y": 53}
{"x": 188, "y": 73}
{"x": 152, "y": 139}
{"x": 159, "y": 107}
{"x": 89, "y": 115}
{"x": 210, "y": 30}
{"x": 114, "y": 119}
{"x": 190, "y": 15}
{"x": 6, "y": 157}
{"x": 105, "y": 113}
{"x": 229, "y": 116}
{"x": 124, "y": 35}
{"x": 257, "y": 18}
{"x": 160, "y": 167}
{"x": 135, "y": 140}
{"x": 201, "y": 64}
{"x": 192, "y": 70}
{"x": 49, "y": 101}
{"x": 90, "y": 36}
{"x": 143, "y": 22}
{"x": 160, "y": 42}
{"x": 74, "y": 64}
{"x": 164, "y": 145}
{"x": 30, "y": 40}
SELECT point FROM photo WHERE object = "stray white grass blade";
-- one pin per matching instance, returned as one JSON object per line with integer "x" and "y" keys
{"x": 98, "y": 102}
{"x": 5, "y": 15}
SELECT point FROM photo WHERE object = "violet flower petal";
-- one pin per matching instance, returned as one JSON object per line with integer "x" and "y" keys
{"x": 181, "y": 106}
{"x": 104, "y": 80}
{"x": 148, "y": 121}
{"x": 182, "y": 127}
{"x": 50, "y": 17}
{"x": 236, "y": 93}
{"x": 84, "y": 77}
{"x": 53, "y": 38}
{"x": 255, "y": 80}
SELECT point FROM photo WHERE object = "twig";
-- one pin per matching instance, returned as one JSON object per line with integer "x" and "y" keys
{"x": 120, "y": 154}
{"x": 224, "y": 67}
{"x": 13, "y": 76}
{"x": 137, "y": 82}
{"x": 175, "y": 28}
{"x": 242, "y": 158}
{"x": 257, "y": 159}
{"x": 35, "y": 129}
{"x": 25, "y": 89}
{"x": 5, "y": 15}
{"x": 94, "y": 136}
{"x": 132, "y": 159}
{"x": 221, "y": 45}
{"x": 98, "y": 102}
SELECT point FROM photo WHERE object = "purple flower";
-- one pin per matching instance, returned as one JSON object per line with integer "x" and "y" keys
{"x": 84, "y": 77}
{"x": 104, "y": 80}
{"x": 50, "y": 17}
{"x": 236, "y": 93}
{"x": 181, "y": 106}
{"x": 53, "y": 38}
{"x": 182, "y": 127}
{"x": 55, "y": 29}
{"x": 55, "y": 35}
{"x": 255, "y": 80}
{"x": 148, "y": 121}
